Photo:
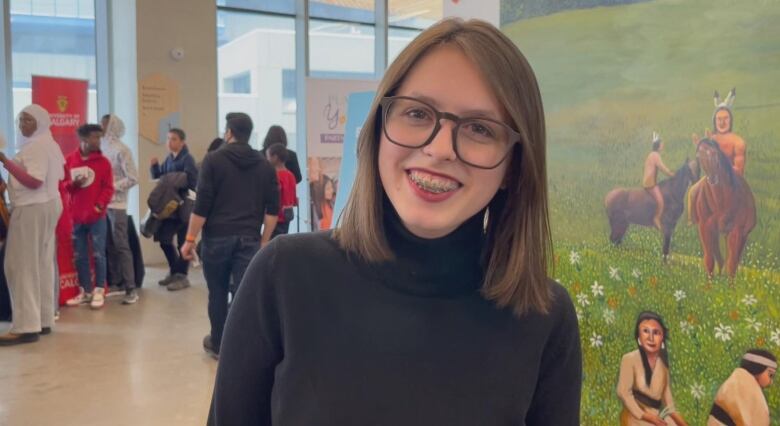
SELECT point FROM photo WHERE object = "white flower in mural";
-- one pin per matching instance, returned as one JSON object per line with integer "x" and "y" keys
{"x": 775, "y": 337}
{"x": 635, "y": 273}
{"x": 686, "y": 327}
{"x": 749, "y": 300}
{"x": 579, "y": 314}
{"x": 609, "y": 316}
{"x": 574, "y": 258}
{"x": 679, "y": 295}
{"x": 583, "y": 300}
{"x": 614, "y": 273}
{"x": 697, "y": 391}
{"x": 596, "y": 289}
{"x": 596, "y": 341}
{"x": 724, "y": 332}
{"x": 752, "y": 323}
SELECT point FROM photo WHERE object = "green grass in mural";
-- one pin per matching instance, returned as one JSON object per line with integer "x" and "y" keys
{"x": 609, "y": 78}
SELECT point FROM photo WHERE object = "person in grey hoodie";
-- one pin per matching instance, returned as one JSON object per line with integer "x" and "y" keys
{"x": 237, "y": 208}
{"x": 125, "y": 177}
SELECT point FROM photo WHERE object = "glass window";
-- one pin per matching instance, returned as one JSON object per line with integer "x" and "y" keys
{"x": 256, "y": 69}
{"x": 52, "y": 38}
{"x": 419, "y": 14}
{"x": 341, "y": 49}
{"x": 361, "y": 11}
{"x": 273, "y": 6}
{"x": 397, "y": 39}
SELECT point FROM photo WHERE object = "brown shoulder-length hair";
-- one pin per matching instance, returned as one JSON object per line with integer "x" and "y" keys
{"x": 518, "y": 233}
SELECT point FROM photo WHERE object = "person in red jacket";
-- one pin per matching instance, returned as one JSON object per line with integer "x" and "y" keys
{"x": 91, "y": 185}
{"x": 277, "y": 156}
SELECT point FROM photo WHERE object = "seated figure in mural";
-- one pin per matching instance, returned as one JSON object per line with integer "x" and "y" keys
{"x": 644, "y": 382}
{"x": 739, "y": 400}
{"x": 730, "y": 143}
{"x": 653, "y": 163}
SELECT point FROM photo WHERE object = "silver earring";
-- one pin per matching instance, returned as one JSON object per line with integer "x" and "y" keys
{"x": 485, "y": 220}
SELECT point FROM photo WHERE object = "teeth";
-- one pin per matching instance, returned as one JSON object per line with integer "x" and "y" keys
{"x": 434, "y": 184}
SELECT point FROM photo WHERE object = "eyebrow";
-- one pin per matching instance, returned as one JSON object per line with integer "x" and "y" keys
{"x": 472, "y": 113}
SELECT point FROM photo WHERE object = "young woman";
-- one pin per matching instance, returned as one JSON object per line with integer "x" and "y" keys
{"x": 430, "y": 302}
{"x": 644, "y": 384}
{"x": 276, "y": 134}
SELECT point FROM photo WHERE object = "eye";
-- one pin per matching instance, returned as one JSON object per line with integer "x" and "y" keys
{"x": 417, "y": 113}
{"x": 479, "y": 129}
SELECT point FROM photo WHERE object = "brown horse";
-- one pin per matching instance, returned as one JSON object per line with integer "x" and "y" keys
{"x": 636, "y": 205}
{"x": 721, "y": 204}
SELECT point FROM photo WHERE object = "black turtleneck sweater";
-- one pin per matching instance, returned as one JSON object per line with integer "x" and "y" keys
{"x": 316, "y": 337}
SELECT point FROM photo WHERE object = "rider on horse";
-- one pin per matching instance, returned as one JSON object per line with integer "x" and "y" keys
{"x": 650, "y": 179}
{"x": 730, "y": 143}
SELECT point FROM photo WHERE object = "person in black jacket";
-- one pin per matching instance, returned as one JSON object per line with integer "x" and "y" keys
{"x": 276, "y": 134}
{"x": 430, "y": 303}
{"x": 237, "y": 208}
{"x": 179, "y": 160}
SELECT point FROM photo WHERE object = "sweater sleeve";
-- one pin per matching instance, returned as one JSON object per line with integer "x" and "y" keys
{"x": 556, "y": 399}
{"x": 271, "y": 193}
{"x": 205, "y": 199}
{"x": 130, "y": 178}
{"x": 192, "y": 172}
{"x": 293, "y": 166}
{"x": 106, "y": 186}
{"x": 22, "y": 176}
{"x": 251, "y": 348}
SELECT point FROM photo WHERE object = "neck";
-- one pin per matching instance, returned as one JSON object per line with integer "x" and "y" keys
{"x": 280, "y": 167}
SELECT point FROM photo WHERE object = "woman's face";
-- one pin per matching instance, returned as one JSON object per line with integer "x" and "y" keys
{"x": 447, "y": 80}
{"x": 651, "y": 336}
{"x": 765, "y": 378}
{"x": 27, "y": 124}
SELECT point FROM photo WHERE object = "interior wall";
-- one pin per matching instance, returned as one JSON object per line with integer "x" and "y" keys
{"x": 160, "y": 27}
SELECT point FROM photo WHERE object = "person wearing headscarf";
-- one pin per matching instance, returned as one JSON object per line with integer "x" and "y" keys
{"x": 35, "y": 173}
{"x": 125, "y": 177}
{"x": 740, "y": 400}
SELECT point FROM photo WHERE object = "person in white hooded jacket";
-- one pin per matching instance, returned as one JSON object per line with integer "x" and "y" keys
{"x": 125, "y": 177}
{"x": 35, "y": 173}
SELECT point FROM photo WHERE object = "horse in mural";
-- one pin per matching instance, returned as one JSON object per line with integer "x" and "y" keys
{"x": 627, "y": 206}
{"x": 722, "y": 204}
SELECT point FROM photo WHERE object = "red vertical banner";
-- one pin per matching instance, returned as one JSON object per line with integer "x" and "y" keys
{"x": 66, "y": 101}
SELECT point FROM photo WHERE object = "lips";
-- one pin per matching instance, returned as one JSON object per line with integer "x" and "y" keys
{"x": 433, "y": 183}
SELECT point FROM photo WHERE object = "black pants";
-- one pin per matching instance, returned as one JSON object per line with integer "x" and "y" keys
{"x": 224, "y": 259}
{"x": 168, "y": 230}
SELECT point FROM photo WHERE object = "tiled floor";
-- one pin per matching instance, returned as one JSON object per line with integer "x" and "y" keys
{"x": 122, "y": 365}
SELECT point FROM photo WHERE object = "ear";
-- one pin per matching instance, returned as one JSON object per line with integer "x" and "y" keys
{"x": 716, "y": 99}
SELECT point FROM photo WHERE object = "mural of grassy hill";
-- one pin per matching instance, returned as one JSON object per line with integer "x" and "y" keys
{"x": 610, "y": 76}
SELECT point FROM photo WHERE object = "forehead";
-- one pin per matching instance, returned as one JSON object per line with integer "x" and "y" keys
{"x": 651, "y": 324}
{"x": 723, "y": 114}
{"x": 447, "y": 79}
{"x": 26, "y": 116}
{"x": 173, "y": 136}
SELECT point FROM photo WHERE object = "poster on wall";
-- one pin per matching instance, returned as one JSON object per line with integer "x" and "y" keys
{"x": 326, "y": 112}
{"x": 158, "y": 107}
{"x": 358, "y": 105}
{"x": 66, "y": 101}
{"x": 663, "y": 152}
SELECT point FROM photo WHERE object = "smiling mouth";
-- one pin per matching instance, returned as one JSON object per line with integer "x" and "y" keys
{"x": 432, "y": 183}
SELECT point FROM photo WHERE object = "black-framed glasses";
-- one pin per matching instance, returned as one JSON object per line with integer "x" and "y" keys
{"x": 479, "y": 142}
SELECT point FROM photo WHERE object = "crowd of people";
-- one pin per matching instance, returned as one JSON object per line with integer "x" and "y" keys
{"x": 239, "y": 197}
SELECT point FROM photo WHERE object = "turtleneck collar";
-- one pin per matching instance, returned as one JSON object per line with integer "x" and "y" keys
{"x": 449, "y": 266}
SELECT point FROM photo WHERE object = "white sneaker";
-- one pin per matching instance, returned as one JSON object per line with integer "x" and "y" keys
{"x": 81, "y": 299}
{"x": 98, "y": 298}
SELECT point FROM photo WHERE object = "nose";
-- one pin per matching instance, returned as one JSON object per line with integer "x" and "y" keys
{"x": 441, "y": 147}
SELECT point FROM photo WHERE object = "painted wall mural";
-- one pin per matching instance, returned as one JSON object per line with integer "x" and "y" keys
{"x": 664, "y": 170}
